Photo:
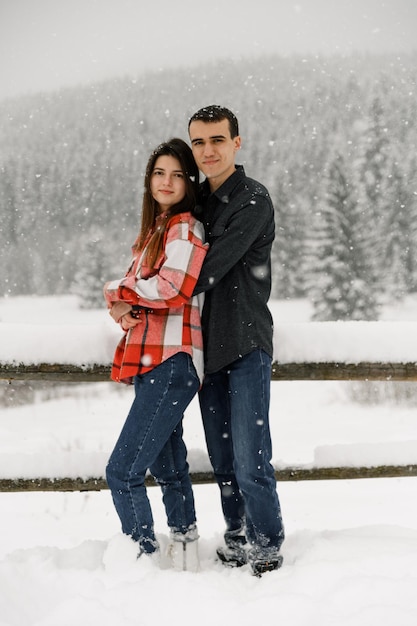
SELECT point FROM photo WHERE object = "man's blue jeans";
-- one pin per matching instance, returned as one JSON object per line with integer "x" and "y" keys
{"x": 151, "y": 438}
{"x": 235, "y": 408}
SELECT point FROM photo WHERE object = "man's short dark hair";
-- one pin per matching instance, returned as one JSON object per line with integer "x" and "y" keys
{"x": 216, "y": 113}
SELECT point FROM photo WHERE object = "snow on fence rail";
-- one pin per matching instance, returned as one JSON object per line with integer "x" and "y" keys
{"x": 342, "y": 351}
{"x": 65, "y": 372}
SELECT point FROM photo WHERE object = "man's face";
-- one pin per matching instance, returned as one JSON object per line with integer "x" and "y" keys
{"x": 214, "y": 150}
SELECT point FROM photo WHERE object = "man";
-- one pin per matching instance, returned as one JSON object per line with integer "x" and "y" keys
{"x": 238, "y": 217}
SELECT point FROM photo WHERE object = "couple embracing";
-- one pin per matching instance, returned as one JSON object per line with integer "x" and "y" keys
{"x": 193, "y": 308}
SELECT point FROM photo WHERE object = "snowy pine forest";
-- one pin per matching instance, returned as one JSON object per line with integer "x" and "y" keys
{"x": 334, "y": 140}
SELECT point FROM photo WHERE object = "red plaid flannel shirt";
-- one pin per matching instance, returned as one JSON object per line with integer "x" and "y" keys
{"x": 169, "y": 317}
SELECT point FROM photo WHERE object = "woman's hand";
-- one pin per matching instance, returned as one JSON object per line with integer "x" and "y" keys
{"x": 120, "y": 312}
{"x": 127, "y": 321}
{"x": 119, "y": 309}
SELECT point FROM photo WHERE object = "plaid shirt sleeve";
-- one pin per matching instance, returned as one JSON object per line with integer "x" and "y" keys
{"x": 173, "y": 284}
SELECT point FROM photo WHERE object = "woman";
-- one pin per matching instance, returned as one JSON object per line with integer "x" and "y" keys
{"x": 160, "y": 353}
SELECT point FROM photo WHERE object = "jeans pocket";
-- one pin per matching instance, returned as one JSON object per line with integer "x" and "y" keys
{"x": 191, "y": 369}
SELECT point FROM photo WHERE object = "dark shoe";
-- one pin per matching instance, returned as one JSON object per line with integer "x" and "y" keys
{"x": 260, "y": 567}
{"x": 234, "y": 553}
{"x": 232, "y": 556}
{"x": 264, "y": 560}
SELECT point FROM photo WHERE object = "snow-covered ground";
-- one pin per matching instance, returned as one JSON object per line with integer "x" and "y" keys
{"x": 351, "y": 548}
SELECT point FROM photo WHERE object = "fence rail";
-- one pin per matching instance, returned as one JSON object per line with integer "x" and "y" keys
{"x": 200, "y": 478}
{"x": 61, "y": 372}
{"x": 366, "y": 371}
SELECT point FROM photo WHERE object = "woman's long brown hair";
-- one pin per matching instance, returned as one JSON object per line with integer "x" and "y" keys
{"x": 182, "y": 152}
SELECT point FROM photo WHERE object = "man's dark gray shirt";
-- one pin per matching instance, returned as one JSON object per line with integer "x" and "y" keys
{"x": 236, "y": 276}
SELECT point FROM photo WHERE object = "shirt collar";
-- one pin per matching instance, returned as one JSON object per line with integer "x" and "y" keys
{"x": 225, "y": 190}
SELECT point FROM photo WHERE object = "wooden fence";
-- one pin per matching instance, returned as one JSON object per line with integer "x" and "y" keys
{"x": 364, "y": 371}
{"x": 368, "y": 371}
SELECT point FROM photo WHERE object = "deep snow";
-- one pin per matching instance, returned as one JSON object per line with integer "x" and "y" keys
{"x": 351, "y": 547}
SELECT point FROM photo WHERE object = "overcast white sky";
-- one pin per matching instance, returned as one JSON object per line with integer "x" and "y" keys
{"x": 45, "y": 44}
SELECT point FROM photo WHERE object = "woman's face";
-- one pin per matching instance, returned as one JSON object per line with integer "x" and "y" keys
{"x": 167, "y": 182}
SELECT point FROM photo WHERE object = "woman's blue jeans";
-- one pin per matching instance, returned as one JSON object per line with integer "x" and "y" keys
{"x": 151, "y": 438}
{"x": 235, "y": 409}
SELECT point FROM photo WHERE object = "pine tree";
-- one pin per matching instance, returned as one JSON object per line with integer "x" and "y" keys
{"x": 93, "y": 271}
{"x": 400, "y": 237}
{"x": 372, "y": 175}
{"x": 289, "y": 246}
{"x": 342, "y": 285}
